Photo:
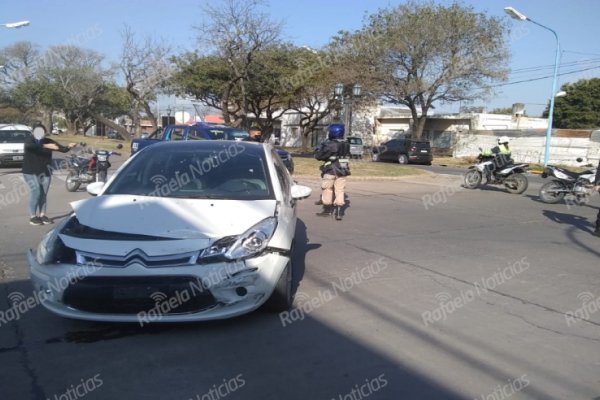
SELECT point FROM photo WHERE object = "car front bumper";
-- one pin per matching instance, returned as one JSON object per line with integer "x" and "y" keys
{"x": 146, "y": 295}
{"x": 11, "y": 158}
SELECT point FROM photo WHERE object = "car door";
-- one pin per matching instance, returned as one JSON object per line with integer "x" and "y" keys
{"x": 390, "y": 150}
{"x": 286, "y": 219}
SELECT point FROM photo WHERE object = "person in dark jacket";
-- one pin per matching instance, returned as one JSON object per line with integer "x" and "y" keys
{"x": 334, "y": 152}
{"x": 37, "y": 171}
{"x": 255, "y": 134}
{"x": 597, "y": 188}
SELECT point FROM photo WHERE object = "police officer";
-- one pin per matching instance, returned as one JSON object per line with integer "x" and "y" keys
{"x": 334, "y": 152}
{"x": 501, "y": 154}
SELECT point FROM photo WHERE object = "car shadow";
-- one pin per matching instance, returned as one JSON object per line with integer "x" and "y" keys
{"x": 301, "y": 248}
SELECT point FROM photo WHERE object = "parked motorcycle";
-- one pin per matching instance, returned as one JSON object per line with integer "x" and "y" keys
{"x": 84, "y": 170}
{"x": 577, "y": 185}
{"x": 497, "y": 172}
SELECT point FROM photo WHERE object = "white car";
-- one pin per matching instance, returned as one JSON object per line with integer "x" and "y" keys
{"x": 184, "y": 231}
{"x": 12, "y": 143}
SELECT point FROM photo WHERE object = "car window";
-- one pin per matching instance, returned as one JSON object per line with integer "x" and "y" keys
{"x": 194, "y": 134}
{"x": 199, "y": 173}
{"x": 216, "y": 133}
{"x": 282, "y": 175}
{"x": 176, "y": 133}
{"x": 355, "y": 141}
{"x": 14, "y": 136}
{"x": 237, "y": 134}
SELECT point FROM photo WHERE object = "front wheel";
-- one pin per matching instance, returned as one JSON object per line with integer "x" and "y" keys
{"x": 102, "y": 176}
{"x": 552, "y": 192}
{"x": 402, "y": 159}
{"x": 374, "y": 157}
{"x": 472, "y": 179}
{"x": 516, "y": 183}
{"x": 72, "y": 183}
{"x": 282, "y": 297}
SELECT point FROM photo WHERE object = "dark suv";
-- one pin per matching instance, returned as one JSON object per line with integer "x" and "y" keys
{"x": 404, "y": 150}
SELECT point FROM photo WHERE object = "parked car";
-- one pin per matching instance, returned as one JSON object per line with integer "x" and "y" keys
{"x": 356, "y": 146}
{"x": 404, "y": 150}
{"x": 182, "y": 232}
{"x": 202, "y": 131}
{"x": 12, "y": 143}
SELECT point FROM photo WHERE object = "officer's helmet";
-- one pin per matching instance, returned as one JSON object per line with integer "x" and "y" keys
{"x": 503, "y": 140}
{"x": 335, "y": 131}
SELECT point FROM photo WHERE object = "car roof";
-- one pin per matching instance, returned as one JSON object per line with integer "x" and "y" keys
{"x": 14, "y": 127}
{"x": 211, "y": 145}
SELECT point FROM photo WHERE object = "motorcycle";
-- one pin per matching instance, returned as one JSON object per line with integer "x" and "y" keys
{"x": 577, "y": 185}
{"x": 84, "y": 170}
{"x": 498, "y": 171}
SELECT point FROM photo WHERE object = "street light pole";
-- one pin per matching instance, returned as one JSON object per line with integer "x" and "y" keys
{"x": 521, "y": 17}
{"x": 345, "y": 102}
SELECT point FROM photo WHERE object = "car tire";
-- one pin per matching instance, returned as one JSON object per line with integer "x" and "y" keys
{"x": 282, "y": 297}
{"x": 375, "y": 157}
{"x": 402, "y": 159}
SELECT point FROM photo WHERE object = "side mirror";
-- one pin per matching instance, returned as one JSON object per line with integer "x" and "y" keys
{"x": 144, "y": 136}
{"x": 95, "y": 188}
{"x": 300, "y": 192}
{"x": 119, "y": 146}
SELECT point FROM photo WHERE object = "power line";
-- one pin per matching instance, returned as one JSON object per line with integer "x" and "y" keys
{"x": 540, "y": 78}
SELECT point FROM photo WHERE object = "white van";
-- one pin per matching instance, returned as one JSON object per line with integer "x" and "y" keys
{"x": 12, "y": 140}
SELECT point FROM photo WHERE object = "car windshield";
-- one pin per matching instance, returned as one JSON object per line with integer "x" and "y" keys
{"x": 214, "y": 172}
{"x": 14, "y": 136}
{"x": 355, "y": 140}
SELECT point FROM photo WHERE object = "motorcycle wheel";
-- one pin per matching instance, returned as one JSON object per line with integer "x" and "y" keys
{"x": 516, "y": 183}
{"x": 72, "y": 183}
{"x": 472, "y": 179}
{"x": 548, "y": 192}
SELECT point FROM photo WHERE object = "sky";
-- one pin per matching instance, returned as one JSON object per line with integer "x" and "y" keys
{"x": 97, "y": 25}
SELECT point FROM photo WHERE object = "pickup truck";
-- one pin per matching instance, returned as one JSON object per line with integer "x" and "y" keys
{"x": 201, "y": 131}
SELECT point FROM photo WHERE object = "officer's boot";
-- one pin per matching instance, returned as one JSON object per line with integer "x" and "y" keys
{"x": 338, "y": 213}
{"x": 326, "y": 211}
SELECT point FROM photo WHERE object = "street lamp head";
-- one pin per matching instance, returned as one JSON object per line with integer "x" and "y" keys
{"x": 338, "y": 89}
{"x": 515, "y": 14}
{"x": 356, "y": 90}
{"x": 18, "y": 24}
{"x": 562, "y": 93}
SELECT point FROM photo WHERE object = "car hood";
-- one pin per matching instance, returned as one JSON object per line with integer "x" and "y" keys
{"x": 172, "y": 218}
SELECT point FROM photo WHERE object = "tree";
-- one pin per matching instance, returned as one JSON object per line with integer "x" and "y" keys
{"x": 419, "y": 54}
{"x": 579, "y": 108}
{"x": 236, "y": 32}
{"x": 146, "y": 68}
{"x": 75, "y": 81}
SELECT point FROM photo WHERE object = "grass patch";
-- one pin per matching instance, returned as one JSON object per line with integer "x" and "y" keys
{"x": 359, "y": 168}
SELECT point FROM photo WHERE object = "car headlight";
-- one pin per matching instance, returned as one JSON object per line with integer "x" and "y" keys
{"x": 248, "y": 244}
{"x": 52, "y": 249}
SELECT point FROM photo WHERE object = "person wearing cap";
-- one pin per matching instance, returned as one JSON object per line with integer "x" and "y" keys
{"x": 37, "y": 172}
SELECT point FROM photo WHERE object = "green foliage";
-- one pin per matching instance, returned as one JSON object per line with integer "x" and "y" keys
{"x": 579, "y": 109}
{"x": 420, "y": 53}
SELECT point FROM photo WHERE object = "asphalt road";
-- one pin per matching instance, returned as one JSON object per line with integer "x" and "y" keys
{"x": 424, "y": 291}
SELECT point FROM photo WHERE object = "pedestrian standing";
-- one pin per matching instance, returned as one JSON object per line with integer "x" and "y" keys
{"x": 37, "y": 172}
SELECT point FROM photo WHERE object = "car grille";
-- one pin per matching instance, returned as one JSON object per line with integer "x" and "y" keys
{"x": 166, "y": 295}
{"x": 137, "y": 256}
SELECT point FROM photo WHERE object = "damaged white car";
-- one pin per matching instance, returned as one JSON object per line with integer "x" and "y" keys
{"x": 184, "y": 231}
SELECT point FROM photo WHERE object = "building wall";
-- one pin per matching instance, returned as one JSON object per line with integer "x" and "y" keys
{"x": 529, "y": 146}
